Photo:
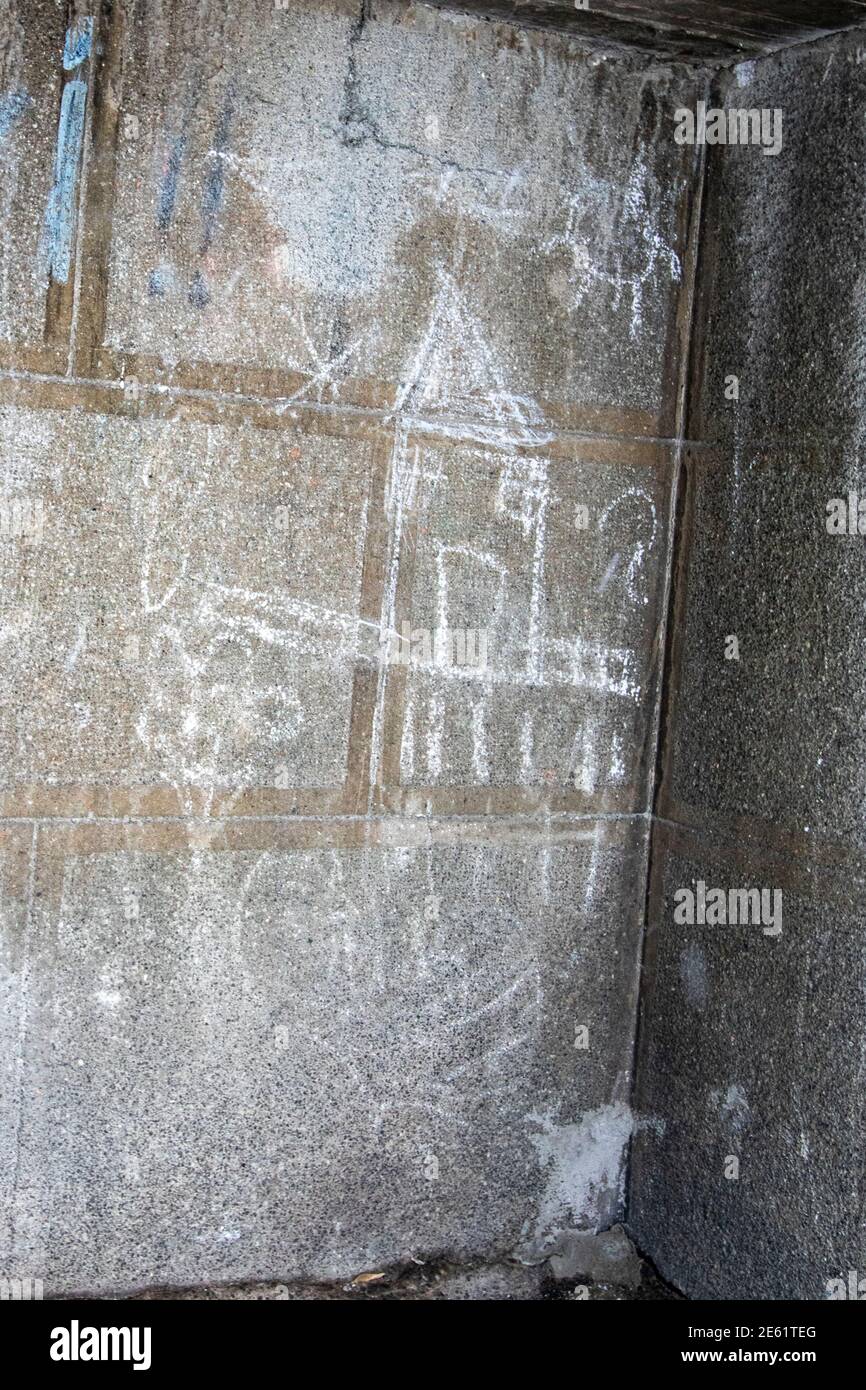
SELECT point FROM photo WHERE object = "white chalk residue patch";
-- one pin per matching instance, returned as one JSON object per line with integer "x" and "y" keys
{"x": 733, "y": 1106}
{"x": 584, "y": 1165}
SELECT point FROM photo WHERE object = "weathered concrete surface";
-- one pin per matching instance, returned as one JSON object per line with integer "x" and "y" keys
{"x": 436, "y": 1281}
{"x": 751, "y": 1045}
{"x": 607, "y": 1257}
{"x": 217, "y": 576}
{"x": 15, "y": 870}
{"x": 568, "y": 615}
{"x": 322, "y": 960}
{"x": 375, "y": 208}
{"x": 318, "y": 1061}
{"x": 30, "y": 81}
{"x": 324, "y": 324}
{"x": 495, "y": 1282}
{"x": 784, "y": 258}
{"x": 752, "y": 1051}
{"x": 608, "y": 1269}
{"x": 233, "y": 615}
{"x": 778, "y": 735}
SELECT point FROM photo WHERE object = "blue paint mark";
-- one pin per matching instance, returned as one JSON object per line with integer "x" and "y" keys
{"x": 214, "y": 187}
{"x": 60, "y": 212}
{"x": 170, "y": 177}
{"x": 12, "y": 108}
{"x": 199, "y": 294}
{"x": 79, "y": 42}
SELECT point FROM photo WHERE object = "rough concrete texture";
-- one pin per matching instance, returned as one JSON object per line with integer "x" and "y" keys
{"x": 777, "y": 736}
{"x": 608, "y": 1256}
{"x": 356, "y": 210}
{"x": 317, "y": 1060}
{"x": 783, "y": 260}
{"x": 758, "y": 24}
{"x": 226, "y": 652}
{"x": 622, "y": 1276}
{"x": 30, "y": 80}
{"x": 328, "y": 331}
{"x": 217, "y": 619}
{"x": 495, "y": 549}
{"x": 753, "y": 1052}
{"x": 751, "y": 1045}
{"x": 318, "y": 959}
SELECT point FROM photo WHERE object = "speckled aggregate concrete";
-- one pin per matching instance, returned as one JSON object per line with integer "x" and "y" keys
{"x": 751, "y": 1045}
{"x": 346, "y": 318}
{"x": 323, "y": 1060}
{"x": 325, "y": 329}
{"x": 752, "y": 1054}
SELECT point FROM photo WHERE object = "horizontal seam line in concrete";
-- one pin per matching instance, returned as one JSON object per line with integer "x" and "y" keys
{"x": 534, "y": 433}
{"x": 796, "y": 445}
{"x": 531, "y": 818}
{"x": 774, "y": 843}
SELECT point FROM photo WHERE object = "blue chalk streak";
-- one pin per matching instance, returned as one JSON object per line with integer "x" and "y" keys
{"x": 79, "y": 42}
{"x": 12, "y": 108}
{"x": 60, "y": 212}
{"x": 168, "y": 192}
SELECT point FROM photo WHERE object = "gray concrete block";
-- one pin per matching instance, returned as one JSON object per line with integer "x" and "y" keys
{"x": 777, "y": 734}
{"x": 30, "y": 80}
{"x": 752, "y": 1051}
{"x": 544, "y": 571}
{"x": 291, "y": 1064}
{"x": 385, "y": 205}
{"x": 191, "y": 608}
{"x": 784, "y": 246}
{"x": 607, "y": 1257}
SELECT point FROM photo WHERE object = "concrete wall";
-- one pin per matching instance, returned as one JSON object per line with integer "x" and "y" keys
{"x": 752, "y": 1044}
{"x": 315, "y": 322}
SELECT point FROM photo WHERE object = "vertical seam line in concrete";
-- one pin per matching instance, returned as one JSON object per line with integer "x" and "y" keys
{"x": 394, "y": 517}
{"x": 23, "y": 1024}
{"x": 694, "y": 245}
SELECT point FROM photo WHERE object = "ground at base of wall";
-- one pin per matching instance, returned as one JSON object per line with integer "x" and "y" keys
{"x": 595, "y": 1279}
